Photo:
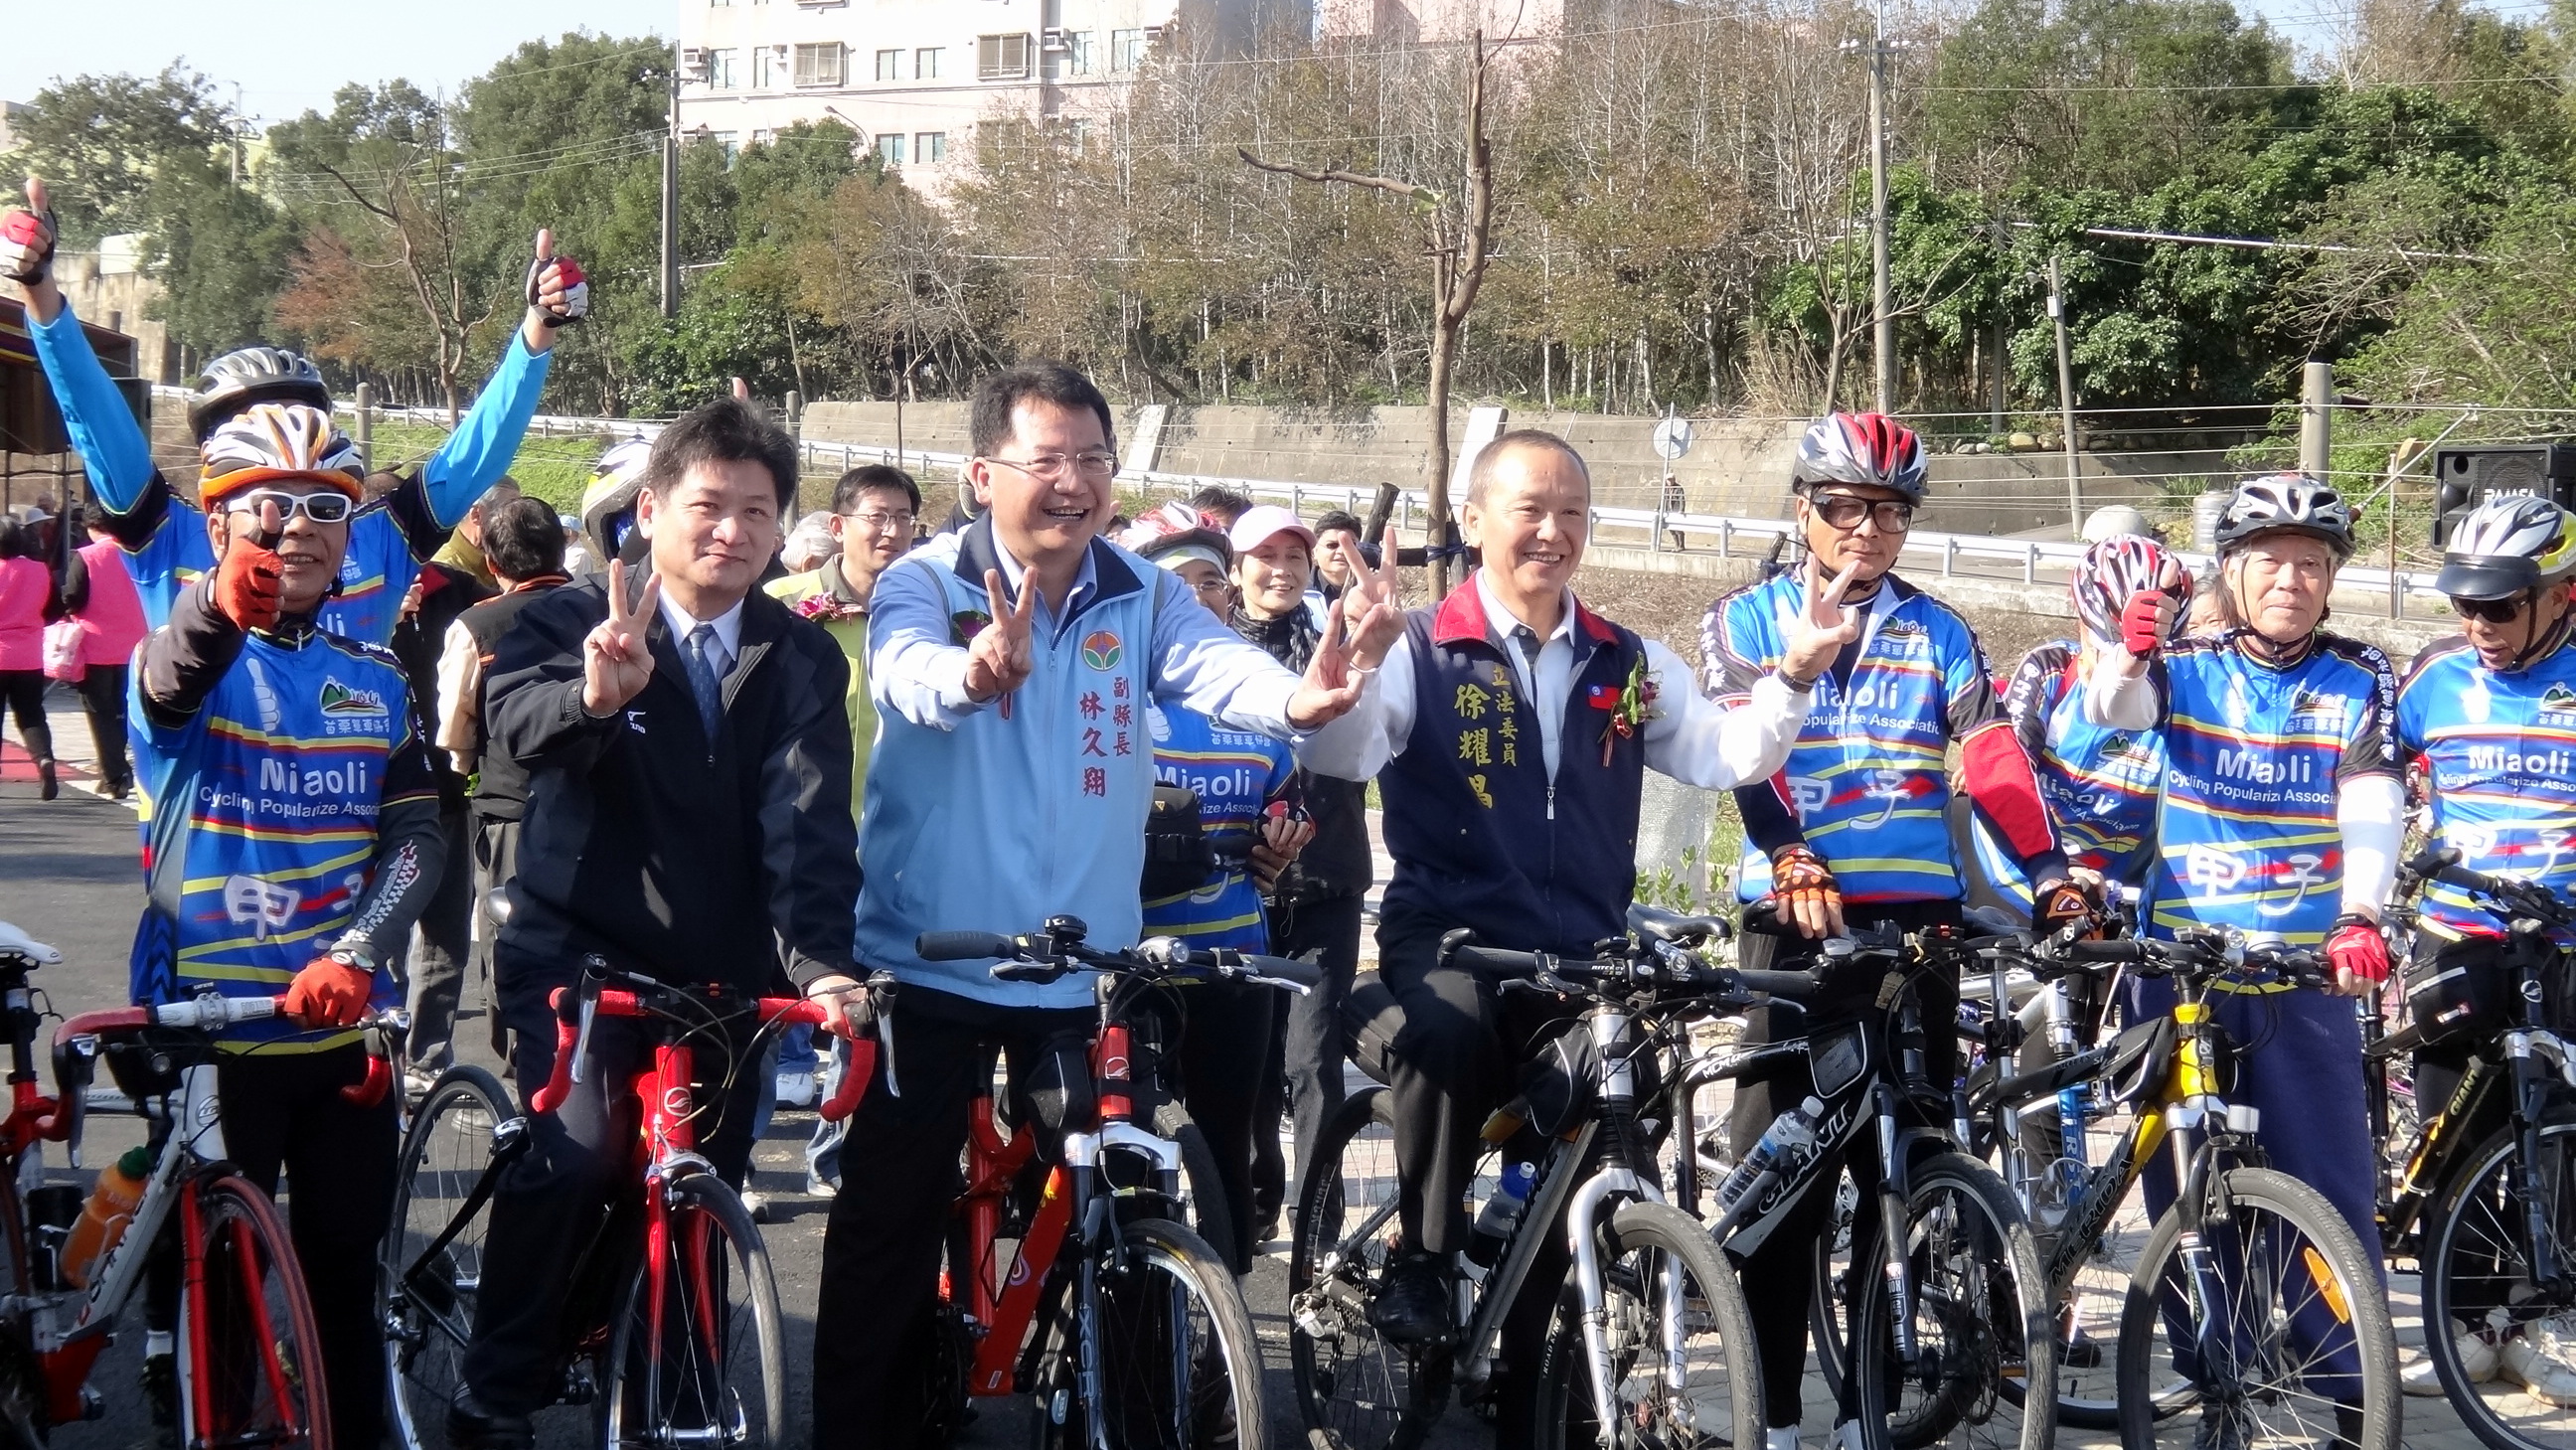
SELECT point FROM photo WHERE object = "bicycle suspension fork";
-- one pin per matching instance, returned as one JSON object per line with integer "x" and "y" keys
{"x": 2529, "y": 1087}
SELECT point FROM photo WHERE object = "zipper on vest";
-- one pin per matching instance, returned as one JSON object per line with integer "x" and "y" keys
{"x": 1551, "y": 800}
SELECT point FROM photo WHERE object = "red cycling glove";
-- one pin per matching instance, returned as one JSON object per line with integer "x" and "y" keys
{"x": 2356, "y": 946}
{"x": 576, "y": 291}
{"x": 247, "y": 583}
{"x": 329, "y": 993}
{"x": 2140, "y": 629}
{"x": 26, "y": 247}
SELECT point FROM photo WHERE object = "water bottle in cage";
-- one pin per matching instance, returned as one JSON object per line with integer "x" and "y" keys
{"x": 1784, "y": 1146}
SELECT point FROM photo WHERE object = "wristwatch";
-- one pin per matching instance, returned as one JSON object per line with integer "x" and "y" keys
{"x": 355, "y": 951}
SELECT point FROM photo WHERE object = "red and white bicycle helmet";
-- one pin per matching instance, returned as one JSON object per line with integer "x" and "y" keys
{"x": 1871, "y": 449}
{"x": 2114, "y": 570}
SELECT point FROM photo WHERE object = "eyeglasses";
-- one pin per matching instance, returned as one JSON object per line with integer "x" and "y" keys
{"x": 882, "y": 523}
{"x": 1048, "y": 467}
{"x": 1213, "y": 588}
{"x": 1893, "y": 516}
{"x": 325, "y": 507}
{"x": 2493, "y": 611}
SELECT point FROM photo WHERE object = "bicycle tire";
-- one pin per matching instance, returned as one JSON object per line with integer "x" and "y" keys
{"x": 1355, "y": 1391}
{"x": 2472, "y": 1203}
{"x": 1722, "y": 1395}
{"x": 1154, "y": 1394}
{"x": 714, "y": 1250}
{"x": 444, "y": 1152}
{"x": 252, "y": 1359}
{"x": 1984, "y": 1321}
{"x": 1210, "y": 1212}
{"x": 2146, "y": 1357}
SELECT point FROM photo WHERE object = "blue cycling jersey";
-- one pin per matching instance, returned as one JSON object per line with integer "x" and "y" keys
{"x": 2500, "y": 755}
{"x": 1236, "y": 773}
{"x": 2249, "y": 836}
{"x": 2101, "y": 784}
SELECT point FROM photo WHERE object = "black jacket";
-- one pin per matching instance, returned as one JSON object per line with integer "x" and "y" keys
{"x": 1337, "y": 861}
{"x": 684, "y": 859}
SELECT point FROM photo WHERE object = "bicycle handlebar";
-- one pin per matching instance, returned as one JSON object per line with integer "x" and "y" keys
{"x": 76, "y": 1048}
{"x": 2526, "y": 898}
{"x": 1672, "y": 967}
{"x": 964, "y": 946}
{"x": 572, "y": 1035}
{"x": 2194, "y": 960}
{"x": 1047, "y": 957}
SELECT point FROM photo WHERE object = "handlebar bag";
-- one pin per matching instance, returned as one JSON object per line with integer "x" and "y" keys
{"x": 1178, "y": 856}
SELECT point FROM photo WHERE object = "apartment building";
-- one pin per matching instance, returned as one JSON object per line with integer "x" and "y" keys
{"x": 915, "y": 77}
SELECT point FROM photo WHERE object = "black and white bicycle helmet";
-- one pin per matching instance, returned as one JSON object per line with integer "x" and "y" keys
{"x": 2286, "y": 503}
{"x": 1870, "y": 449}
{"x": 2507, "y": 545}
{"x": 253, "y": 375}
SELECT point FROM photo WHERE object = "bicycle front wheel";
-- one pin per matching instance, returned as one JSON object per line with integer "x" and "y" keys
{"x": 1356, "y": 1390}
{"x": 1983, "y": 1369}
{"x": 251, "y": 1357}
{"x": 2478, "y": 1281}
{"x": 1166, "y": 1333}
{"x": 1679, "y": 1371}
{"x": 2273, "y": 1320}
{"x": 426, "y": 1295}
{"x": 716, "y": 1372}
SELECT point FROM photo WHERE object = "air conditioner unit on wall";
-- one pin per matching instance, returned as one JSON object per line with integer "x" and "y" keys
{"x": 1153, "y": 33}
{"x": 692, "y": 58}
{"x": 1055, "y": 38}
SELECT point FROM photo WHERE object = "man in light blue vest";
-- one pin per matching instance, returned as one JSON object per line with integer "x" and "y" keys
{"x": 1011, "y": 664}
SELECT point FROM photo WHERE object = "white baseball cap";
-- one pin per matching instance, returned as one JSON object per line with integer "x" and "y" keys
{"x": 1263, "y": 522}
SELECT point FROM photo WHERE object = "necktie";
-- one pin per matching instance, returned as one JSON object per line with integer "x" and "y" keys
{"x": 703, "y": 680}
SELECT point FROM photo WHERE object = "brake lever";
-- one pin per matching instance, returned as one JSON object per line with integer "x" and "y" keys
{"x": 581, "y": 1040}
{"x": 1300, "y": 988}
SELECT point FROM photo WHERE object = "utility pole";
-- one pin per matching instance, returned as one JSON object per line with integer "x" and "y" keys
{"x": 2000, "y": 374}
{"x": 671, "y": 202}
{"x": 2065, "y": 399}
{"x": 1882, "y": 307}
{"x": 2316, "y": 420}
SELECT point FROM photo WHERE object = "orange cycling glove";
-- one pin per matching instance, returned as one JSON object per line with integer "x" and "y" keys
{"x": 1804, "y": 893}
{"x": 247, "y": 582}
{"x": 329, "y": 993}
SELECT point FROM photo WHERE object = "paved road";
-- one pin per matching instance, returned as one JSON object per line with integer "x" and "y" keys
{"x": 67, "y": 875}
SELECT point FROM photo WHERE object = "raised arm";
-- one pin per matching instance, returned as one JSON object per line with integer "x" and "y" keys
{"x": 480, "y": 450}
{"x": 112, "y": 446}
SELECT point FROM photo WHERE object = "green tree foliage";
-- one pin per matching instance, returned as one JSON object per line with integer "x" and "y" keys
{"x": 98, "y": 139}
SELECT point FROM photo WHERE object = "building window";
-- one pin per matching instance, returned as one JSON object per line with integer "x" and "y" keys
{"x": 925, "y": 63}
{"x": 728, "y": 142}
{"x": 1002, "y": 57}
{"x": 1077, "y": 53}
{"x": 720, "y": 69}
{"x": 761, "y": 137}
{"x": 928, "y": 147}
{"x": 765, "y": 68}
{"x": 719, "y": 4}
{"x": 889, "y": 65}
{"x": 820, "y": 65}
{"x": 1079, "y": 130}
{"x": 890, "y": 149}
{"x": 1126, "y": 50}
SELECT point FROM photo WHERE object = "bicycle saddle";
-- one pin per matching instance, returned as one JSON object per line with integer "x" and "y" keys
{"x": 1675, "y": 928}
{"x": 19, "y": 949}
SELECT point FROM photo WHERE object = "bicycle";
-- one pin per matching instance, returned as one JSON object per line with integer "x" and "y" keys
{"x": 673, "y": 1326}
{"x": 2211, "y": 1315}
{"x": 2484, "y": 1191}
{"x": 1957, "y": 1342}
{"x": 1122, "y": 1321}
{"x": 247, "y": 1355}
{"x": 1649, "y": 1321}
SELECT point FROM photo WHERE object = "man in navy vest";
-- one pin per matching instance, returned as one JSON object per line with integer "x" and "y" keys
{"x": 1510, "y": 736}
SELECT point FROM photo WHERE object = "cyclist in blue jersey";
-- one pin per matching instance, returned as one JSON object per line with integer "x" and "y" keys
{"x": 1239, "y": 778}
{"x": 293, "y": 841}
{"x": 2491, "y": 713}
{"x": 2282, "y": 816}
{"x": 1856, "y": 823}
{"x": 166, "y": 536}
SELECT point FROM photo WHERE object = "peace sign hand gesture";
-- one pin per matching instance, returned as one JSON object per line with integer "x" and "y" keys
{"x": 1819, "y": 632}
{"x": 998, "y": 658}
{"x": 1372, "y": 611}
{"x": 615, "y": 660}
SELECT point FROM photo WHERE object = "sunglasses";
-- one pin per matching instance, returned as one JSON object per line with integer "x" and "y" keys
{"x": 2492, "y": 611}
{"x": 322, "y": 508}
{"x": 1893, "y": 516}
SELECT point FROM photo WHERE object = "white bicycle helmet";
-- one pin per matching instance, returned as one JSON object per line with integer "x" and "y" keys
{"x": 2508, "y": 544}
{"x": 1870, "y": 449}
{"x": 269, "y": 441}
{"x": 608, "y": 504}
{"x": 254, "y": 375}
{"x": 2286, "y": 502}
{"x": 2114, "y": 570}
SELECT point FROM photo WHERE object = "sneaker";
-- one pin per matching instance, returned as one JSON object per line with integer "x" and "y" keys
{"x": 796, "y": 1088}
{"x": 757, "y": 1203}
{"x": 2544, "y": 1375}
{"x": 817, "y": 1186}
{"x": 48, "y": 785}
{"x": 418, "y": 1081}
{"x": 161, "y": 1396}
{"x": 2477, "y": 1356}
{"x": 1414, "y": 1305}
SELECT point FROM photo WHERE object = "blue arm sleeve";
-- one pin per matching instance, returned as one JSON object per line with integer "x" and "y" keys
{"x": 476, "y": 455}
{"x": 112, "y": 446}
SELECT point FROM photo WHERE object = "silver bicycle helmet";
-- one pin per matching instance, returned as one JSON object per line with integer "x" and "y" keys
{"x": 254, "y": 375}
{"x": 2507, "y": 545}
{"x": 2286, "y": 502}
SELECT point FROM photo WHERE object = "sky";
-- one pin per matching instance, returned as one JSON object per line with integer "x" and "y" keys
{"x": 288, "y": 56}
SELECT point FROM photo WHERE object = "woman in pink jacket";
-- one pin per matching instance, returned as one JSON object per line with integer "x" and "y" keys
{"x": 26, "y": 596}
{"x": 98, "y": 590}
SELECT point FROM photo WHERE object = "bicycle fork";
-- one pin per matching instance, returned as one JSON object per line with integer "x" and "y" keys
{"x": 1899, "y": 1267}
{"x": 2528, "y": 1089}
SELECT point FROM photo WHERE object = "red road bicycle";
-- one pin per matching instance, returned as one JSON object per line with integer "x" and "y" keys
{"x": 248, "y": 1356}
{"x": 673, "y": 1327}
{"x": 1123, "y": 1323}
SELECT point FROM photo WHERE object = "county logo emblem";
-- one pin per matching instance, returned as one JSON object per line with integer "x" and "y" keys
{"x": 1100, "y": 650}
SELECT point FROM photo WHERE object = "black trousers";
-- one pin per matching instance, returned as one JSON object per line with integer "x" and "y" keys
{"x": 1779, "y": 1280}
{"x": 899, "y": 1181}
{"x": 496, "y": 860}
{"x": 102, "y": 692}
{"x": 431, "y": 967}
{"x": 23, "y": 691}
{"x": 553, "y": 1202}
{"x": 1220, "y": 1026}
{"x": 1303, "y": 1070}
{"x": 283, "y": 1113}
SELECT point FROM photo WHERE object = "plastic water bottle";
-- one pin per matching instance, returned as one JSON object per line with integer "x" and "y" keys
{"x": 1791, "y": 1136}
{"x": 104, "y": 1218}
{"x": 1494, "y": 1221}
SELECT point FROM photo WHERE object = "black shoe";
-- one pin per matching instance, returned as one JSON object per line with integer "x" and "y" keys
{"x": 2082, "y": 1351}
{"x": 47, "y": 786}
{"x": 1414, "y": 1304}
{"x": 473, "y": 1426}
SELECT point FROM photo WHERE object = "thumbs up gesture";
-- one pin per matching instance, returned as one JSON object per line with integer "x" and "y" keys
{"x": 557, "y": 293}
{"x": 27, "y": 240}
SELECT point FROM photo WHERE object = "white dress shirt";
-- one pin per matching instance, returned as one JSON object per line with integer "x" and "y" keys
{"x": 723, "y": 649}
